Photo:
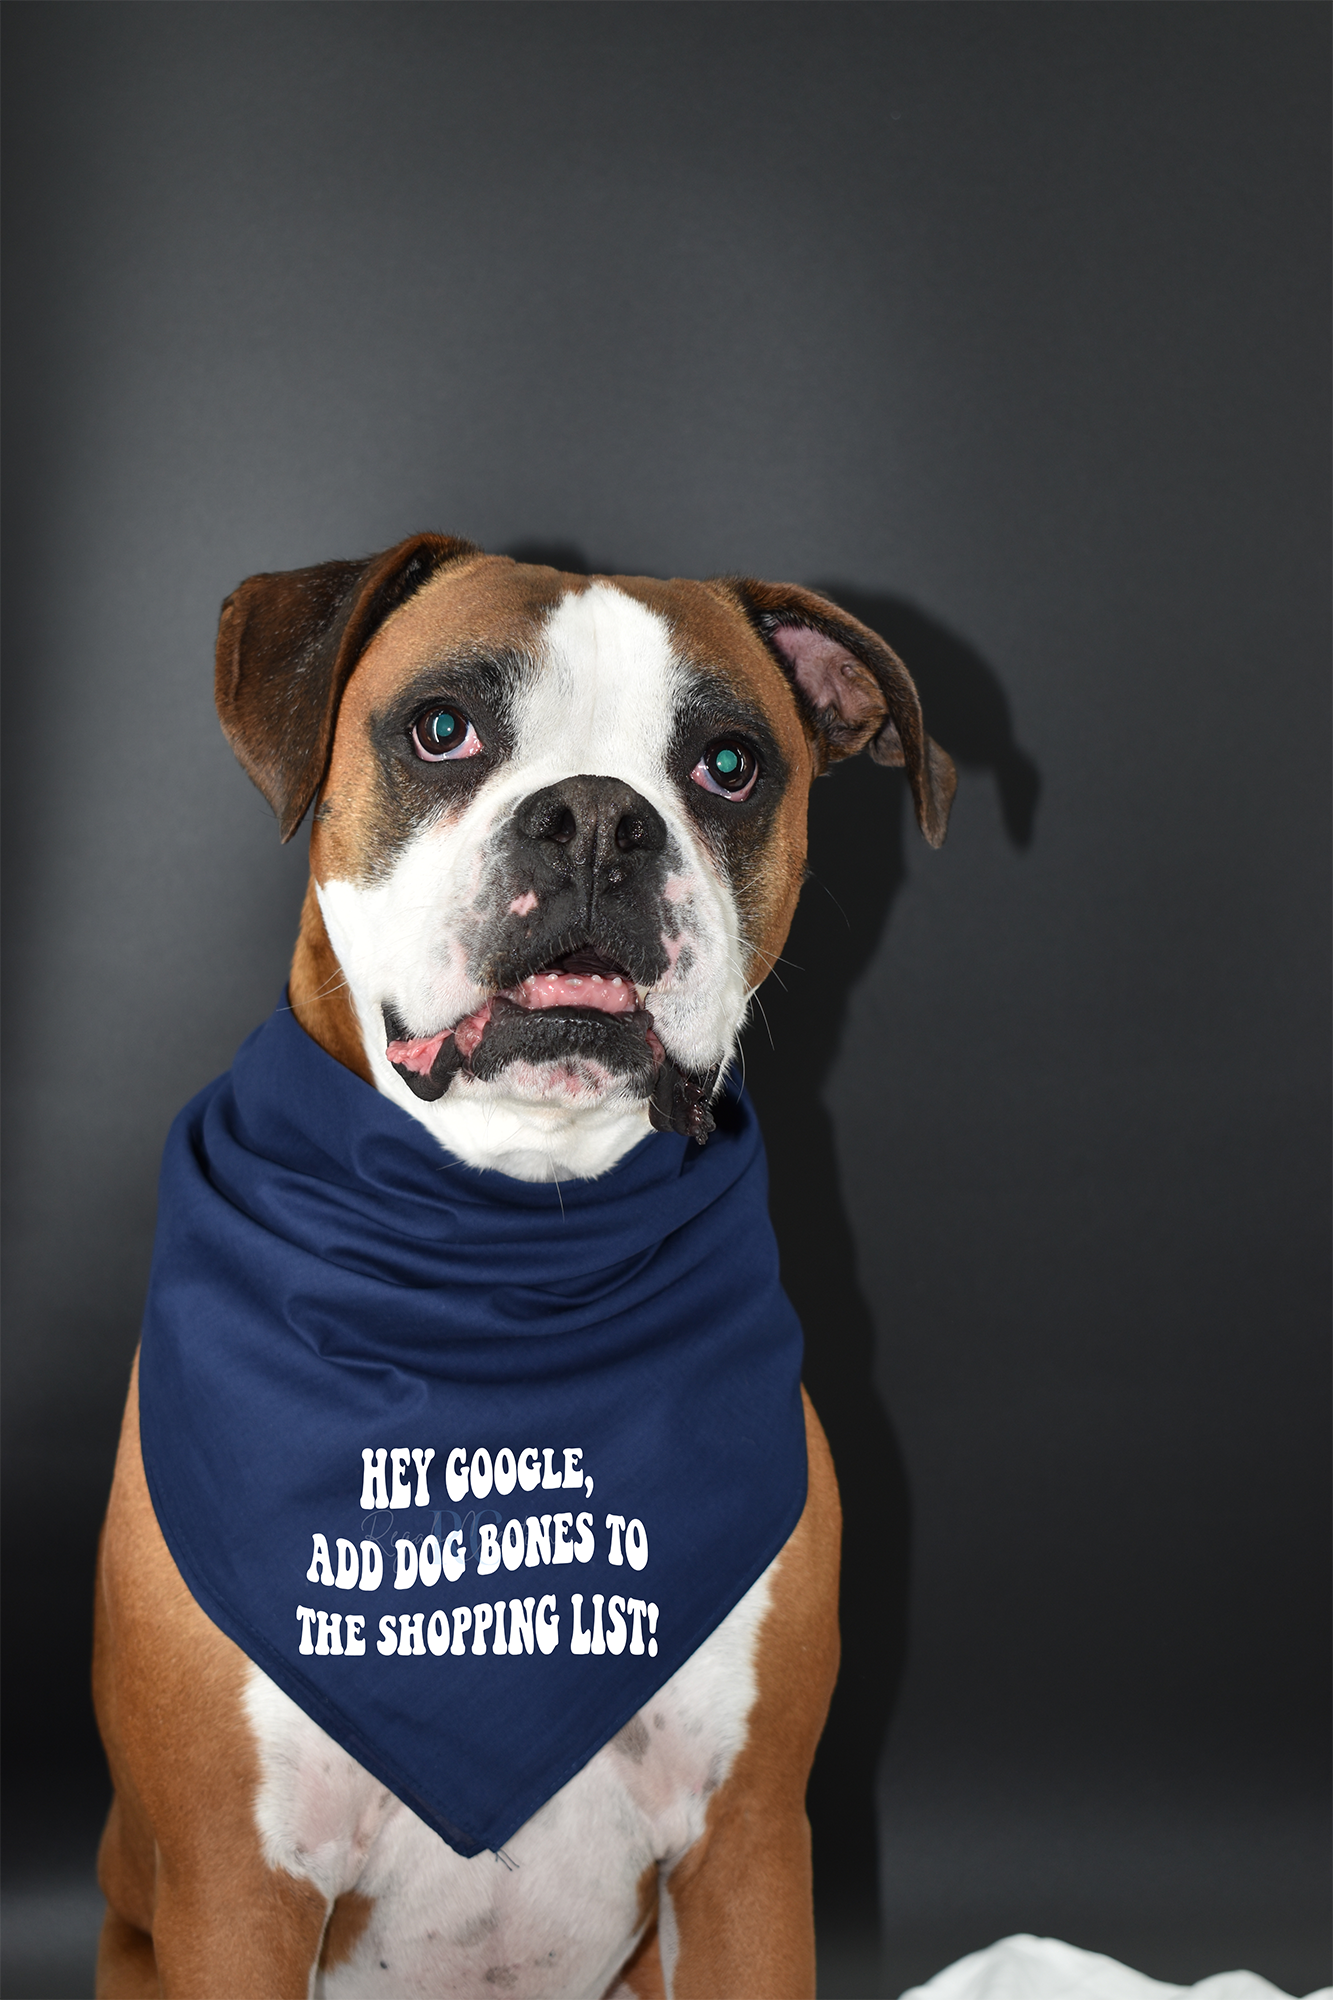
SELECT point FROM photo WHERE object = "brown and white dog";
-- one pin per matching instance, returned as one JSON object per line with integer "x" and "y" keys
{"x": 558, "y": 839}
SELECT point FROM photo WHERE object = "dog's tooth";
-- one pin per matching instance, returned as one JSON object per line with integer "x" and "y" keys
{"x": 597, "y": 979}
{"x": 617, "y": 981}
{"x": 574, "y": 982}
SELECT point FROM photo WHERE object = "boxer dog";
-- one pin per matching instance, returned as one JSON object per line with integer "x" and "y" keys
{"x": 559, "y": 834}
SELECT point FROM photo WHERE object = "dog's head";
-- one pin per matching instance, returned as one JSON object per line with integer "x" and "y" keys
{"x": 560, "y": 824}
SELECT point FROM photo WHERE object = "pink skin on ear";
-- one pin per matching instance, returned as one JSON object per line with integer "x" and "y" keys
{"x": 828, "y": 675}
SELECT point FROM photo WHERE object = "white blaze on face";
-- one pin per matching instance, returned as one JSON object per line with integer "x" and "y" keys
{"x": 600, "y": 701}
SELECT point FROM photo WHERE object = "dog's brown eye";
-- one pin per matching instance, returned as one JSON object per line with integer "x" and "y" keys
{"x": 442, "y": 733}
{"x": 727, "y": 768}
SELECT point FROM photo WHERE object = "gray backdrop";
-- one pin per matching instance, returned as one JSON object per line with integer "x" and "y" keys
{"x": 1005, "y": 323}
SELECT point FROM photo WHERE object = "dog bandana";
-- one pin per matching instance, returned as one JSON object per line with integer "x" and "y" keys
{"x": 469, "y": 1466}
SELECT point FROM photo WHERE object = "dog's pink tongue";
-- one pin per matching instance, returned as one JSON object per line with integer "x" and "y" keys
{"x": 419, "y": 1054}
{"x": 607, "y": 995}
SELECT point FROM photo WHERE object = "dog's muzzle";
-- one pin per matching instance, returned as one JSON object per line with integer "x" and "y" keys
{"x": 568, "y": 959}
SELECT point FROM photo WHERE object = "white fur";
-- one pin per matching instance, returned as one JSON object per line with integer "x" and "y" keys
{"x": 598, "y": 702}
{"x": 556, "y": 1914}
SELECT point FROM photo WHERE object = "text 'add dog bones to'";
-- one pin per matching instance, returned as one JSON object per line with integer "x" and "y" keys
{"x": 398, "y": 1478}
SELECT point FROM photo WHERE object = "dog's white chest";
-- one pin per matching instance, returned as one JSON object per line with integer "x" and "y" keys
{"x": 558, "y": 1911}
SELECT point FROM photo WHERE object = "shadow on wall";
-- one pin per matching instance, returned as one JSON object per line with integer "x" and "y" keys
{"x": 860, "y": 824}
{"x": 965, "y": 707}
{"x": 789, "y": 1049}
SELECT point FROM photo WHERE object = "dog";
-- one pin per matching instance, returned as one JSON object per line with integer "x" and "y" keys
{"x": 558, "y": 839}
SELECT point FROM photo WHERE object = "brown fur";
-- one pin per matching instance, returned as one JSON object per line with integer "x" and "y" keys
{"x": 487, "y": 605}
{"x": 318, "y": 992}
{"x": 316, "y": 623}
{"x": 709, "y": 632}
{"x": 346, "y": 1926}
{"x": 493, "y": 604}
{"x": 187, "y": 1888}
{"x": 742, "y": 1896}
{"x": 193, "y": 1909}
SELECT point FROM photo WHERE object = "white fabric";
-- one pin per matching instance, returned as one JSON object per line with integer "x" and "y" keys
{"x": 1033, "y": 1968}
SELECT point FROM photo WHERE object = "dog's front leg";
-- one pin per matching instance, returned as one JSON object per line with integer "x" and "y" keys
{"x": 195, "y": 1912}
{"x": 735, "y": 1919}
{"x": 202, "y": 1940}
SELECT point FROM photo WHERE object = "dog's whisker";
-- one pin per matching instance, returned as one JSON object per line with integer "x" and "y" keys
{"x": 764, "y": 1017}
{"x": 739, "y": 969}
{"x": 812, "y": 877}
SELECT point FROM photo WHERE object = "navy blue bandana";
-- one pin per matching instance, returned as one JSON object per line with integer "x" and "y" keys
{"x": 468, "y": 1466}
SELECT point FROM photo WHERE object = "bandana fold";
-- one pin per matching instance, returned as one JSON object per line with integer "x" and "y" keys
{"x": 468, "y": 1466}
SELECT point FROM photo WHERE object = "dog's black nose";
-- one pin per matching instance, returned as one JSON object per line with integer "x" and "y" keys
{"x": 598, "y": 825}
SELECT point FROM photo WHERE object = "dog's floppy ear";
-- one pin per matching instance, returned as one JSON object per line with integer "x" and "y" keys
{"x": 852, "y": 689}
{"x": 287, "y": 643}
